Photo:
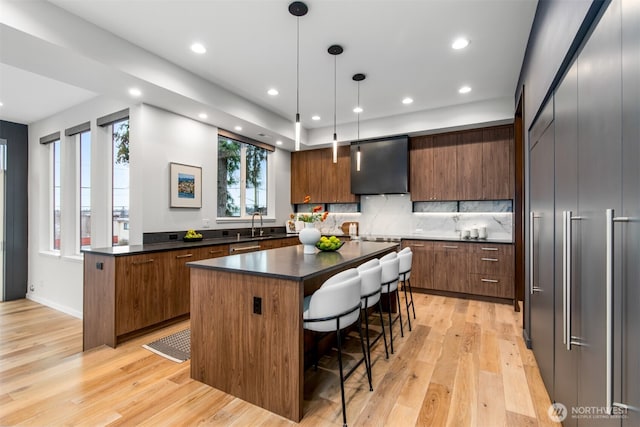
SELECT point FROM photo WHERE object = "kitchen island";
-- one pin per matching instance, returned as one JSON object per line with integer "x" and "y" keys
{"x": 246, "y": 319}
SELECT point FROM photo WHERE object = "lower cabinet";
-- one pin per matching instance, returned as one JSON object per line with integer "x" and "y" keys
{"x": 465, "y": 267}
{"x": 126, "y": 294}
{"x": 491, "y": 270}
{"x": 422, "y": 263}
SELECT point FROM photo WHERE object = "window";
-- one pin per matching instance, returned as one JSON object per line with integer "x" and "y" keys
{"x": 120, "y": 203}
{"x": 85, "y": 189}
{"x": 242, "y": 179}
{"x": 56, "y": 195}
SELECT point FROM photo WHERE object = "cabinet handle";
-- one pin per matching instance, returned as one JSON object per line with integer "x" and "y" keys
{"x": 184, "y": 256}
{"x": 147, "y": 261}
{"x": 449, "y": 247}
{"x": 533, "y": 288}
{"x": 489, "y": 280}
{"x": 246, "y": 248}
{"x": 610, "y": 220}
{"x": 490, "y": 259}
{"x": 417, "y": 246}
{"x": 216, "y": 252}
{"x": 489, "y": 249}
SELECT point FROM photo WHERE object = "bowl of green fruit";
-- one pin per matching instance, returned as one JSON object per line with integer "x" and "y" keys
{"x": 329, "y": 244}
{"x": 192, "y": 236}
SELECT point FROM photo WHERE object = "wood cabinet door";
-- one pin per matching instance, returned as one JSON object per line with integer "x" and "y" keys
{"x": 299, "y": 176}
{"x": 445, "y": 169}
{"x": 343, "y": 173}
{"x": 317, "y": 160}
{"x": 139, "y": 292}
{"x": 497, "y": 165}
{"x": 470, "y": 165}
{"x": 422, "y": 263}
{"x": 175, "y": 275}
{"x": 421, "y": 168}
{"x": 450, "y": 269}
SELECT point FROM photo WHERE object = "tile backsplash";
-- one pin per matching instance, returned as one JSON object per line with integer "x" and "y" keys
{"x": 391, "y": 215}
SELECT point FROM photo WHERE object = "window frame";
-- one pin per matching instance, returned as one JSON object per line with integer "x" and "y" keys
{"x": 244, "y": 144}
{"x": 112, "y": 128}
{"x": 52, "y": 208}
{"x": 79, "y": 136}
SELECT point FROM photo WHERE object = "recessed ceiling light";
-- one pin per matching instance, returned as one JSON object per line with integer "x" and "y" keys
{"x": 135, "y": 92}
{"x": 407, "y": 101}
{"x": 358, "y": 110}
{"x": 460, "y": 43}
{"x": 238, "y": 128}
{"x": 1, "y": 104}
{"x": 316, "y": 117}
{"x": 278, "y": 142}
{"x": 464, "y": 89}
{"x": 198, "y": 48}
{"x": 202, "y": 115}
{"x": 273, "y": 92}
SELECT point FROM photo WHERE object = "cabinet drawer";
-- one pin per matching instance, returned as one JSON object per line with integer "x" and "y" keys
{"x": 493, "y": 260}
{"x": 491, "y": 285}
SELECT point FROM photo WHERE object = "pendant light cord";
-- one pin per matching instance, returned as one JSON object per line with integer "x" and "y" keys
{"x": 358, "y": 113}
{"x": 298, "y": 65}
{"x": 335, "y": 78}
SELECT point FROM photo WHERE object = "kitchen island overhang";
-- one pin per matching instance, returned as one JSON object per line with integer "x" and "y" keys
{"x": 247, "y": 335}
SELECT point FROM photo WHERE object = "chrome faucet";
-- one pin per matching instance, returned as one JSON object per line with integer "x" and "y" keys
{"x": 253, "y": 228}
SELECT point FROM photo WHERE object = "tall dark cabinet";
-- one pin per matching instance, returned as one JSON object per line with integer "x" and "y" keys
{"x": 541, "y": 223}
{"x": 595, "y": 263}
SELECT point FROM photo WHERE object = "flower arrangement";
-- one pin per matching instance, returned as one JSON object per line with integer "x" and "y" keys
{"x": 313, "y": 216}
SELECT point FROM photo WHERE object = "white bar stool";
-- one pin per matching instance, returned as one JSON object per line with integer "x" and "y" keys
{"x": 405, "y": 257}
{"x": 371, "y": 283}
{"x": 390, "y": 272}
{"x": 332, "y": 308}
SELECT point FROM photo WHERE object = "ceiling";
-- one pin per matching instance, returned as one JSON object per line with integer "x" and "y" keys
{"x": 403, "y": 47}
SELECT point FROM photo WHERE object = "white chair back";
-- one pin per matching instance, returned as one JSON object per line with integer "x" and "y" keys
{"x": 340, "y": 277}
{"x": 370, "y": 282}
{"x": 405, "y": 260}
{"x": 390, "y": 272}
{"x": 332, "y": 300}
{"x": 369, "y": 264}
{"x": 406, "y": 249}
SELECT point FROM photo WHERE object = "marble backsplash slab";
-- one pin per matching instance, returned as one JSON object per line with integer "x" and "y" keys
{"x": 391, "y": 215}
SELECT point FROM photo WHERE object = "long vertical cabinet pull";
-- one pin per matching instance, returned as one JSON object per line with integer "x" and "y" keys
{"x": 532, "y": 276}
{"x": 609, "y": 302}
{"x": 610, "y": 219}
{"x": 567, "y": 280}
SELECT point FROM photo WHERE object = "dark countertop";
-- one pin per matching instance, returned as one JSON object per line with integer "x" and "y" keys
{"x": 179, "y": 244}
{"x": 291, "y": 263}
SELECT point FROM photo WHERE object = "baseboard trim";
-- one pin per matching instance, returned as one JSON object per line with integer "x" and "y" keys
{"x": 54, "y": 305}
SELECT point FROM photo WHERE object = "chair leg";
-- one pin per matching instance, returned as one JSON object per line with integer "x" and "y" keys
{"x": 366, "y": 323}
{"x": 413, "y": 307}
{"x": 406, "y": 302}
{"x": 390, "y": 320}
{"x": 344, "y": 411}
{"x": 384, "y": 335}
{"x": 399, "y": 312}
{"x": 367, "y": 365}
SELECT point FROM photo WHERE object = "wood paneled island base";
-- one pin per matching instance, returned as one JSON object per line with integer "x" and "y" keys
{"x": 259, "y": 357}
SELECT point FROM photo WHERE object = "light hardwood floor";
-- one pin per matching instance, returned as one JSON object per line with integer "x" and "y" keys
{"x": 464, "y": 364}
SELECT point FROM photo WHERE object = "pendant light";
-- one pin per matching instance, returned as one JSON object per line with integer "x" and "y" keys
{"x": 298, "y": 9}
{"x": 358, "y": 78}
{"x": 335, "y": 50}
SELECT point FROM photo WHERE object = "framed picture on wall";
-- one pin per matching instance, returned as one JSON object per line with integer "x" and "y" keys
{"x": 185, "y": 185}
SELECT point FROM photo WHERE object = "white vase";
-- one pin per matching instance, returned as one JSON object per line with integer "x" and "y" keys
{"x": 308, "y": 236}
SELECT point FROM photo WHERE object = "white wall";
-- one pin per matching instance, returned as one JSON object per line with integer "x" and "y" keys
{"x": 157, "y": 138}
